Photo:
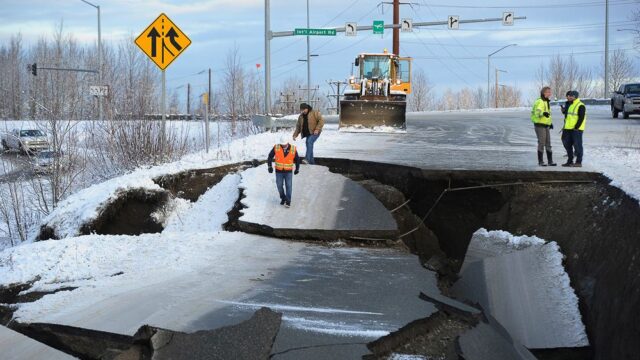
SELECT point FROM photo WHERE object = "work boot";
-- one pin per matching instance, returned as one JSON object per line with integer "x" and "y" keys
{"x": 568, "y": 164}
{"x": 577, "y": 165}
{"x": 550, "y": 159}
{"x": 283, "y": 201}
{"x": 541, "y": 159}
{"x": 287, "y": 204}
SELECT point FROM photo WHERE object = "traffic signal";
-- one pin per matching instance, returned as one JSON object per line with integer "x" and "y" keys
{"x": 34, "y": 69}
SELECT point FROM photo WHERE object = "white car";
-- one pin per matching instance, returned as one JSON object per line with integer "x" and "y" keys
{"x": 28, "y": 140}
{"x": 43, "y": 161}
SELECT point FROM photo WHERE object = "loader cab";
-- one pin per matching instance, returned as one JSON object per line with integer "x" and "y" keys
{"x": 397, "y": 70}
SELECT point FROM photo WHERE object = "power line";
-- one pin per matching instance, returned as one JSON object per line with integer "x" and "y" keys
{"x": 523, "y": 56}
{"x": 565, "y": 27}
{"x": 474, "y": 73}
{"x": 543, "y": 6}
{"x": 519, "y": 46}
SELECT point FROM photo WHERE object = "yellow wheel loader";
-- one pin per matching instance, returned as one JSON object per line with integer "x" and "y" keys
{"x": 377, "y": 97}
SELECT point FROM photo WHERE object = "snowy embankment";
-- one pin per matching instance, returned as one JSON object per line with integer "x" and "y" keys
{"x": 85, "y": 205}
{"x": 621, "y": 165}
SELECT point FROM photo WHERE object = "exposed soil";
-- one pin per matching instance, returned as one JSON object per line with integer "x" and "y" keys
{"x": 191, "y": 184}
{"x": 10, "y": 297}
{"x": 594, "y": 223}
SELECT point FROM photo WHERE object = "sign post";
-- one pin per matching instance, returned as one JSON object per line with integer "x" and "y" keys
{"x": 507, "y": 18}
{"x": 163, "y": 41}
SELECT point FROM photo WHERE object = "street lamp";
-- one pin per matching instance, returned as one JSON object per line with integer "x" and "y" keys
{"x": 97, "y": 7}
{"x": 489, "y": 69}
{"x": 311, "y": 55}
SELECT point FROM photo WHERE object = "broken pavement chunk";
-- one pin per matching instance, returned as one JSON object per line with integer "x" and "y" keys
{"x": 528, "y": 292}
{"x": 324, "y": 206}
{"x": 249, "y": 340}
{"x": 483, "y": 342}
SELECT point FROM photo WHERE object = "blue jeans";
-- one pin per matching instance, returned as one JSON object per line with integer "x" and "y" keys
{"x": 310, "y": 140}
{"x": 572, "y": 141}
{"x": 284, "y": 183}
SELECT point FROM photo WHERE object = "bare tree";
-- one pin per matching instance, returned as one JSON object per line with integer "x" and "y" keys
{"x": 233, "y": 92}
{"x": 421, "y": 98}
{"x": 621, "y": 69}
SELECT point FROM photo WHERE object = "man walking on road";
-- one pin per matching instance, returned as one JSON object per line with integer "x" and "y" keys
{"x": 285, "y": 157}
{"x": 541, "y": 118}
{"x": 310, "y": 124}
{"x": 574, "y": 124}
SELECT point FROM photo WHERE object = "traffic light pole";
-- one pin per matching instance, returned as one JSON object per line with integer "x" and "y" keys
{"x": 269, "y": 35}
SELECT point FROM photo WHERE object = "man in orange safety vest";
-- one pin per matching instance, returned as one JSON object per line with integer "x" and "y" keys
{"x": 285, "y": 157}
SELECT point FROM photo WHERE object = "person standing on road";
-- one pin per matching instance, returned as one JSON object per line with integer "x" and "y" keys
{"x": 310, "y": 124}
{"x": 285, "y": 156}
{"x": 575, "y": 119}
{"x": 542, "y": 123}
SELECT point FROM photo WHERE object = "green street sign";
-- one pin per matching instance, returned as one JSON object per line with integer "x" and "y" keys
{"x": 378, "y": 27}
{"x": 315, "y": 32}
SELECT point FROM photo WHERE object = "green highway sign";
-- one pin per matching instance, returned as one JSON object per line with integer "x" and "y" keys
{"x": 378, "y": 27}
{"x": 315, "y": 32}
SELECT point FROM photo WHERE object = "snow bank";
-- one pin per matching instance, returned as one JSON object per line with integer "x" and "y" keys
{"x": 86, "y": 204}
{"x": 620, "y": 165}
{"x": 209, "y": 212}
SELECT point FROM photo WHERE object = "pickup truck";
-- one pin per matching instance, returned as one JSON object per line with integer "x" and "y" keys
{"x": 27, "y": 141}
{"x": 626, "y": 100}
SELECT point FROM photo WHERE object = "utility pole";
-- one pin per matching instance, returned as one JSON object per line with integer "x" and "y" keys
{"x": 338, "y": 94}
{"x": 189, "y": 101}
{"x": 206, "y": 120}
{"x": 97, "y": 7}
{"x": 497, "y": 85}
{"x": 489, "y": 71}
{"x": 606, "y": 50}
{"x": 267, "y": 58}
{"x": 396, "y": 30}
{"x": 308, "y": 59}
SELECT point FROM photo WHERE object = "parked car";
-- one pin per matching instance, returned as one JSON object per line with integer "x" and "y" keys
{"x": 626, "y": 100}
{"x": 27, "y": 141}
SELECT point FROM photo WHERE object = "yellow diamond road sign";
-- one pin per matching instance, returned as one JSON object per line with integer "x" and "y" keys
{"x": 162, "y": 41}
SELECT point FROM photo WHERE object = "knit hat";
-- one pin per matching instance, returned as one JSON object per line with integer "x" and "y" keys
{"x": 573, "y": 93}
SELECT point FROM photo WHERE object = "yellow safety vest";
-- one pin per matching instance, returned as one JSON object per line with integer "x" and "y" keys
{"x": 540, "y": 107}
{"x": 284, "y": 163}
{"x": 571, "y": 120}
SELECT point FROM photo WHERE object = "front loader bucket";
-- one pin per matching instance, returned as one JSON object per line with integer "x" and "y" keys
{"x": 373, "y": 115}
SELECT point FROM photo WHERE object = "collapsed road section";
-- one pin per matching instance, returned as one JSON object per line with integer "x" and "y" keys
{"x": 329, "y": 292}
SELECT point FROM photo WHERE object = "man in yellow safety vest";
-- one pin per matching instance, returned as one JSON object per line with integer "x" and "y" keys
{"x": 574, "y": 124}
{"x": 286, "y": 157}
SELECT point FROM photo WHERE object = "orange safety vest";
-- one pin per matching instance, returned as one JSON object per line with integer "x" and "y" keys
{"x": 284, "y": 163}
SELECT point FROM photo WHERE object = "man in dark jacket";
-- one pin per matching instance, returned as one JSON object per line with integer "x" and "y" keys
{"x": 310, "y": 124}
{"x": 285, "y": 157}
{"x": 575, "y": 119}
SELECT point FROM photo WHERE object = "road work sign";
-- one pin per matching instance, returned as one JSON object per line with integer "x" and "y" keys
{"x": 507, "y": 18}
{"x": 378, "y": 27}
{"x": 453, "y": 22}
{"x": 163, "y": 41}
{"x": 351, "y": 29}
{"x": 315, "y": 32}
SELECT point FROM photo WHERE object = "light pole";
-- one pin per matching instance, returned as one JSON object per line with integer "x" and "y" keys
{"x": 97, "y": 7}
{"x": 489, "y": 70}
{"x": 606, "y": 49}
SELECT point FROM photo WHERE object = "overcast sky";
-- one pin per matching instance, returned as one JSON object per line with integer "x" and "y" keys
{"x": 451, "y": 58}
